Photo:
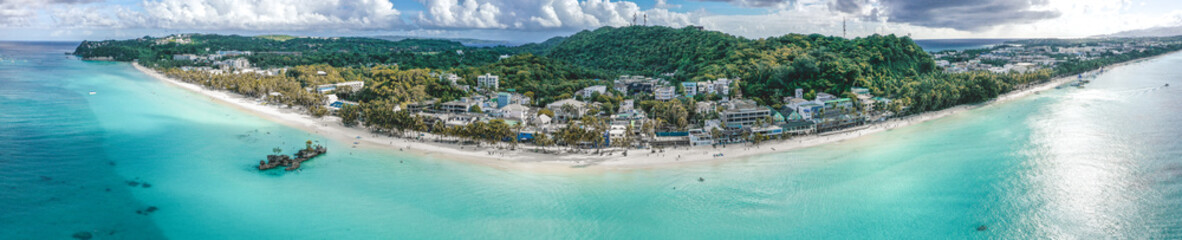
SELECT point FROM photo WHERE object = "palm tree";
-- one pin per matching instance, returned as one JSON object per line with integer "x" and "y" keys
{"x": 543, "y": 140}
{"x": 567, "y": 111}
{"x": 716, "y": 134}
{"x": 439, "y": 129}
{"x": 515, "y": 135}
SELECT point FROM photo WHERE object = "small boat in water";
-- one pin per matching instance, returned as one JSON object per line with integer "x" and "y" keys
{"x": 93, "y": 92}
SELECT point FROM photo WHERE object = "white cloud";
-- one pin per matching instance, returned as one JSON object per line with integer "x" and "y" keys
{"x": 1077, "y": 18}
{"x": 815, "y": 18}
{"x": 543, "y": 14}
{"x": 517, "y": 18}
{"x": 757, "y": 3}
{"x": 93, "y": 17}
{"x": 269, "y": 15}
{"x": 22, "y": 13}
{"x": 665, "y": 4}
{"x": 469, "y": 14}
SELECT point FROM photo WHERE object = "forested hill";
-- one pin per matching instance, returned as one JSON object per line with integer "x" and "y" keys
{"x": 345, "y": 50}
{"x": 770, "y": 68}
{"x": 646, "y": 49}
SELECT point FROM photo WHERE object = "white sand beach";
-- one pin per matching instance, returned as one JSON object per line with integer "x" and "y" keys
{"x": 524, "y": 157}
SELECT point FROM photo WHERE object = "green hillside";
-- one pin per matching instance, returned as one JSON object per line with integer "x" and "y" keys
{"x": 770, "y": 68}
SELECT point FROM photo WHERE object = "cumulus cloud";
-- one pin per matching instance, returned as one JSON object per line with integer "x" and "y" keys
{"x": 21, "y": 13}
{"x": 665, "y": 4}
{"x": 268, "y": 14}
{"x": 89, "y": 17}
{"x": 755, "y": 3}
{"x": 543, "y": 14}
{"x": 816, "y": 18}
{"x": 965, "y": 15}
{"x": 849, "y": 6}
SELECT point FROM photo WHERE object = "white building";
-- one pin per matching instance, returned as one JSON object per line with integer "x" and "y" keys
{"x": 515, "y": 111}
{"x": 462, "y": 105}
{"x": 541, "y": 120}
{"x": 488, "y": 81}
{"x": 562, "y": 115}
{"x": 721, "y": 86}
{"x": 700, "y": 137}
{"x": 665, "y": 93}
{"x": 808, "y": 109}
{"x": 690, "y": 88}
{"x": 329, "y": 99}
{"x": 617, "y": 132}
{"x": 240, "y": 63}
{"x": 626, "y": 105}
{"x": 742, "y": 113}
{"x": 452, "y": 78}
{"x": 354, "y": 86}
{"x": 822, "y": 97}
{"x": 185, "y": 57}
{"x": 590, "y": 91}
{"x": 706, "y": 107}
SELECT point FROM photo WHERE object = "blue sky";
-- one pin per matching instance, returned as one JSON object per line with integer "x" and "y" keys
{"x": 536, "y": 20}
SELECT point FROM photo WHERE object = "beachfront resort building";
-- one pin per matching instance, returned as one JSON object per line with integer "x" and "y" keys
{"x": 462, "y": 105}
{"x": 333, "y": 103}
{"x": 616, "y": 133}
{"x": 807, "y": 109}
{"x": 354, "y": 86}
{"x": 822, "y": 97}
{"x": 700, "y": 137}
{"x": 514, "y": 111}
{"x": 567, "y": 109}
{"x": 741, "y": 113}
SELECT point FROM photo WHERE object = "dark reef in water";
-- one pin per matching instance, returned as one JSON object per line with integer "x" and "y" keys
{"x": 82, "y": 235}
{"x": 146, "y": 211}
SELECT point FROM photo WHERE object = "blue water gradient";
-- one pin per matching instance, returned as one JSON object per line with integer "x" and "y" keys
{"x": 1099, "y": 162}
{"x": 936, "y": 45}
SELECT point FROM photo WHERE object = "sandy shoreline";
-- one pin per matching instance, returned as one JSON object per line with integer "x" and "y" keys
{"x": 525, "y": 158}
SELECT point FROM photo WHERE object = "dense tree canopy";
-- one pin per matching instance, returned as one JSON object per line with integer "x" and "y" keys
{"x": 398, "y": 72}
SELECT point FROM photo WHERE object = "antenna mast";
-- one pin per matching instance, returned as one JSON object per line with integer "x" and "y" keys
{"x": 843, "y": 28}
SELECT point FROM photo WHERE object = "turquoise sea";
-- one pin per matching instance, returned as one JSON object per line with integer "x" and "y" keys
{"x": 140, "y": 159}
{"x": 936, "y": 45}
